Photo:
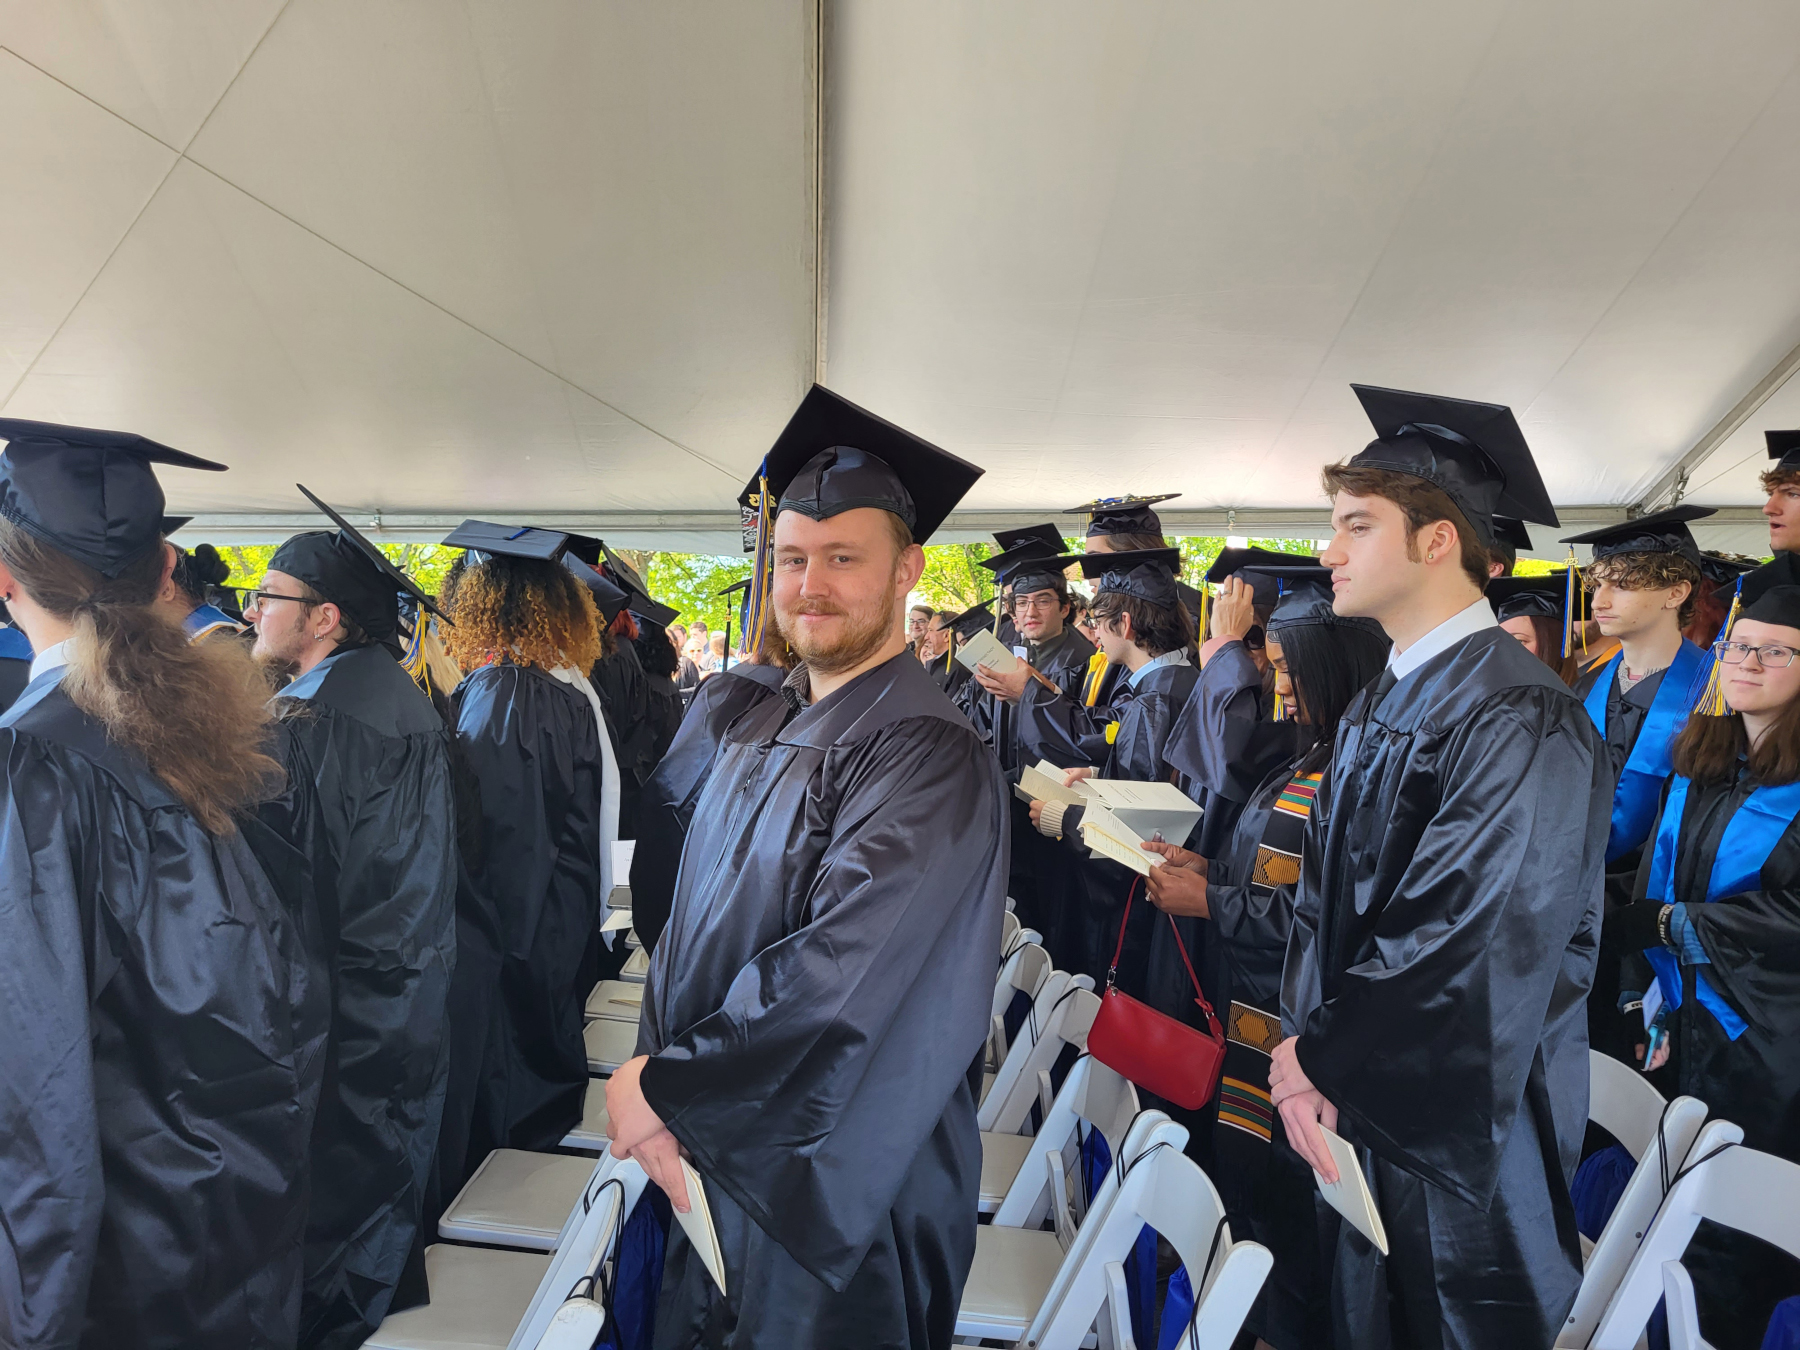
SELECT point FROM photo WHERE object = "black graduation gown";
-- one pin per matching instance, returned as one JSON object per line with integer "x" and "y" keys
{"x": 667, "y": 803}
{"x": 534, "y": 747}
{"x": 378, "y": 756}
{"x": 1752, "y": 941}
{"x": 15, "y": 665}
{"x": 1445, "y": 933}
{"x": 159, "y": 1073}
{"x": 1609, "y": 1030}
{"x": 815, "y": 1013}
{"x": 664, "y": 719}
{"x": 618, "y": 678}
{"x": 1224, "y": 743}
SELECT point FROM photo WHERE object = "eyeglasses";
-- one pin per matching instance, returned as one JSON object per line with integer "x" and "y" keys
{"x": 1772, "y": 657}
{"x": 249, "y": 600}
{"x": 1042, "y": 600}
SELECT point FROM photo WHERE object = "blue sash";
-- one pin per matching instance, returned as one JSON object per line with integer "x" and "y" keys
{"x": 1641, "y": 780}
{"x": 205, "y": 618}
{"x": 14, "y": 645}
{"x": 1749, "y": 838}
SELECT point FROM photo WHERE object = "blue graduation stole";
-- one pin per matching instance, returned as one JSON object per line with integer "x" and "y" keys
{"x": 205, "y": 618}
{"x": 1749, "y": 838}
{"x": 1641, "y": 780}
{"x": 14, "y": 645}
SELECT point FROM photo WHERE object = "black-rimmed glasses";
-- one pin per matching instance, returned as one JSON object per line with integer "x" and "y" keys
{"x": 1771, "y": 656}
{"x": 248, "y": 600}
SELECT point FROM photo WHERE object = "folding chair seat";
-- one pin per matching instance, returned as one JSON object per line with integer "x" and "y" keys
{"x": 1689, "y": 1200}
{"x": 1020, "y": 1274}
{"x": 615, "y": 1001}
{"x": 637, "y": 967}
{"x": 609, "y": 1044}
{"x": 509, "y": 1300}
{"x": 590, "y": 1135}
{"x": 1659, "y": 1138}
{"x": 1007, "y": 1107}
{"x": 516, "y": 1199}
{"x": 1167, "y": 1191}
{"x": 1013, "y": 1175}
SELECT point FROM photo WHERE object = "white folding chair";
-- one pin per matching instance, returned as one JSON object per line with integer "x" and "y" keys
{"x": 1053, "y": 984}
{"x": 1014, "y": 1183}
{"x": 499, "y": 1300}
{"x": 1009, "y": 929}
{"x": 615, "y": 1001}
{"x": 590, "y": 1135}
{"x": 637, "y": 967}
{"x": 516, "y": 1199}
{"x": 1007, "y": 1108}
{"x": 1026, "y": 967}
{"x": 1019, "y": 1274}
{"x": 609, "y": 1044}
{"x": 1658, "y": 1137}
{"x": 1628, "y": 1311}
{"x": 1167, "y": 1191}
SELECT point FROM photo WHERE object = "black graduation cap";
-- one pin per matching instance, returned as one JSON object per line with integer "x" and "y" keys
{"x": 1784, "y": 448}
{"x": 1046, "y": 534}
{"x": 972, "y": 621}
{"x": 1030, "y": 566}
{"x": 1777, "y": 604}
{"x": 90, "y": 494}
{"x": 1475, "y": 452}
{"x": 1302, "y": 597}
{"x": 508, "y": 541}
{"x": 1659, "y": 532}
{"x": 350, "y": 572}
{"x": 1264, "y": 564}
{"x": 1512, "y": 533}
{"x": 1529, "y": 597}
{"x": 1782, "y": 570}
{"x": 608, "y": 598}
{"x": 170, "y": 524}
{"x": 1723, "y": 569}
{"x": 834, "y": 456}
{"x": 734, "y": 588}
{"x": 1146, "y": 573}
{"x": 624, "y": 573}
{"x": 1122, "y": 515}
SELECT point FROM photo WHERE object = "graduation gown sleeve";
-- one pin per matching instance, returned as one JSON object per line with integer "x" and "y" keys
{"x": 1221, "y": 741}
{"x": 1421, "y": 1019}
{"x": 810, "y": 1091}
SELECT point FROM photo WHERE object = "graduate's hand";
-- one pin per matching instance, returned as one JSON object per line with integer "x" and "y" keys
{"x": 1303, "y": 1108}
{"x": 1037, "y": 809}
{"x": 1073, "y": 776}
{"x": 1176, "y": 856}
{"x": 630, "y": 1120}
{"x": 660, "y": 1156}
{"x": 1178, "y": 890}
{"x": 1660, "y": 1058}
{"x": 1011, "y": 687}
{"x": 1233, "y": 611}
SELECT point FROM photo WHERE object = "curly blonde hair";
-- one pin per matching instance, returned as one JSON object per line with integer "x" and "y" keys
{"x": 522, "y": 610}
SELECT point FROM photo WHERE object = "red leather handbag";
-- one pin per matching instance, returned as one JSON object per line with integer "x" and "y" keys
{"x": 1179, "y": 1063}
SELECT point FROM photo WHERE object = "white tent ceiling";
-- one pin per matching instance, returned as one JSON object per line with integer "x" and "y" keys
{"x": 558, "y": 259}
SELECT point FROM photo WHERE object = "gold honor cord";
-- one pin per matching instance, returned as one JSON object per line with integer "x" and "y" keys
{"x": 1571, "y": 613}
{"x": 1712, "y": 697}
{"x": 1097, "y": 664}
{"x": 757, "y": 615}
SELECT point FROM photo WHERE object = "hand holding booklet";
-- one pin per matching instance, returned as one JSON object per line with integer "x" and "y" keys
{"x": 1349, "y": 1195}
{"x": 1043, "y": 782}
{"x": 697, "y": 1223}
{"x": 984, "y": 649}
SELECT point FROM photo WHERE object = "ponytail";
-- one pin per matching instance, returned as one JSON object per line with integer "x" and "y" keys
{"x": 197, "y": 715}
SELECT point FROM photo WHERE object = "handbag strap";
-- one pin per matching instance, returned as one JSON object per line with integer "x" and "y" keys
{"x": 1112, "y": 971}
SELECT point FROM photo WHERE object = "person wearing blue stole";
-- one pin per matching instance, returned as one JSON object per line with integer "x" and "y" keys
{"x": 1718, "y": 921}
{"x": 15, "y": 660}
{"x": 1644, "y": 578}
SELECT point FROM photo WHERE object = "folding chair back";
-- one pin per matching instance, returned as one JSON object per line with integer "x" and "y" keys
{"x": 586, "y": 1241}
{"x": 1663, "y": 1155}
{"x": 1094, "y": 1096}
{"x": 1165, "y": 1189}
{"x": 1628, "y": 1311}
{"x": 1024, "y": 971}
{"x": 1622, "y": 1102}
{"x": 1009, "y": 929}
{"x": 1065, "y": 1022}
{"x": 1000, "y": 1049}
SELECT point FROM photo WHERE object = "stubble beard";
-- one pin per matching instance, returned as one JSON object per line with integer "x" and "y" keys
{"x": 862, "y": 635}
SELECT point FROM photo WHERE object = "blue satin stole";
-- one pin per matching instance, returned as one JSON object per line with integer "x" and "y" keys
{"x": 1749, "y": 838}
{"x": 1641, "y": 780}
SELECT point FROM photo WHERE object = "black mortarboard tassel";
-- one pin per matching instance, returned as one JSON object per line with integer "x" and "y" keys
{"x": 1660, "y": 532}
{"x": 1122, "y": 515}
{"x": 834, "y": 456}
{"x": 1147, "y": 574}
{"x": 1474, "y": 452}
{"x": 1784, "y": 448}
{"x": 89, "y": 494}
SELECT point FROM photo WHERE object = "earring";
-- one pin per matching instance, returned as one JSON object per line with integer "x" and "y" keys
{"x": 1431, "y": 557}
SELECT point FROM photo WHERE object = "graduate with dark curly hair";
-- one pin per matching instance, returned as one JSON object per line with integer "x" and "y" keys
{"x": 530, "y": 726}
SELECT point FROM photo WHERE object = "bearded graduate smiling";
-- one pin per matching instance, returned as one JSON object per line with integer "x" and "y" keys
{"x": 816, "y": 1006}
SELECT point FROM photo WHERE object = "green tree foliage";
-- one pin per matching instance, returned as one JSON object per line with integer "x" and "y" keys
{"x": 424, "y": 563}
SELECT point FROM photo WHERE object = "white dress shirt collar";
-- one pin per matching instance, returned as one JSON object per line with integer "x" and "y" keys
{"x": 51, "y": 658}
{"x": 1464, "y": 623}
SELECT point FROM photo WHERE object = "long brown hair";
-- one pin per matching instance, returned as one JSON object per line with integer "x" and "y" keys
{"x": 1708, "y": 748}
{"x": 196, "y": 714}
{"x": 531, "y": 612}
{"x": 1549, "y": 634}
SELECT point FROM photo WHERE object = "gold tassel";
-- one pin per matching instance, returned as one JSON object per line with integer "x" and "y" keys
{"x": 413, "y": 661}
{"x": 1280, "y": 713}
{"x": 1205, "y": 597}
{"x": 757, "y": 607}
{"x": 1712, "y": 697}
{"x": 1571, "y": 586}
